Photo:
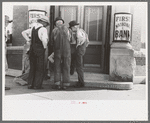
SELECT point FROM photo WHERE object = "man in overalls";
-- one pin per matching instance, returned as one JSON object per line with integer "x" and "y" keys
{"x": 78, "y": 50}
{"x": 39, "y": 40}
{"x": 60, "y": 40}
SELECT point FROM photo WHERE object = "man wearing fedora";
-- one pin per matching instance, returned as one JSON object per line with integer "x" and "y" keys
{"x": 39, "y": 40}
{"x": 60, "y": 40}
{"x": 79, "y": 42}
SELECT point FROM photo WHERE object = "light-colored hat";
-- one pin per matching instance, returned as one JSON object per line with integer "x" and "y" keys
{"x": 44, "y": 19}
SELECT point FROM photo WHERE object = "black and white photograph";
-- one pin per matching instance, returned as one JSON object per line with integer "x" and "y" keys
{"x": 74, "y": 61}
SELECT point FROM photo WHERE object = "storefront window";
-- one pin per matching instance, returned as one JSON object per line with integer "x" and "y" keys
{"x": 93, "y": 22}
{"x": 68, "y": 13}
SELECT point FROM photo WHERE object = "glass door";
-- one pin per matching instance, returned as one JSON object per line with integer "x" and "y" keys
{"x": 93, "y": 25}
{"x": 68, "y": 13}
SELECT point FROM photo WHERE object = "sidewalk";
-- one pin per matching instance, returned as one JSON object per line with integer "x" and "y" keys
{"x": 96, "y": 88}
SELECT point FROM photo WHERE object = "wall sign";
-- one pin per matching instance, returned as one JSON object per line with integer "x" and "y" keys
{"x": 34, "y": 15}
{"x": 122, "y": 27}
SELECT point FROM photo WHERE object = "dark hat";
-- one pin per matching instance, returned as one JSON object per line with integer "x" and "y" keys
{"x": 7, "y": 19}
{"x": 10, "y": 21}
{"x": 58, "y": 18}
{"x": 73, "y": 23}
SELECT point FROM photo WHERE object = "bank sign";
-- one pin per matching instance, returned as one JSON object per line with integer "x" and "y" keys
{"x": 122, "y": 27}
{"x": 34, "y": 15}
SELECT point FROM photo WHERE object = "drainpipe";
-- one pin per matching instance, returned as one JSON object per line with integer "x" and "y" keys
{"x": 52, "y": 17}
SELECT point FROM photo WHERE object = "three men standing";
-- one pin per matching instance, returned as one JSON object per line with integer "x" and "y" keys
{"x": 61, "y": 38}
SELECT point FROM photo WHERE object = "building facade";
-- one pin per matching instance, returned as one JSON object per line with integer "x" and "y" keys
{"x": 97, "y": 21}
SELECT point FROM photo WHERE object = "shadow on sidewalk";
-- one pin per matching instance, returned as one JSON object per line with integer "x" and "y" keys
{"x": 16, "y": 88}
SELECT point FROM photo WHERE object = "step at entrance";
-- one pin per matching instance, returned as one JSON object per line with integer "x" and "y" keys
{"x": 93, "y": 68}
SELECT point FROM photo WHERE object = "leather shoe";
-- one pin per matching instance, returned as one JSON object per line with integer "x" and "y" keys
{"x": 64, "y": 87}
{"x": 30, "y": 87}
{"x": 79, "y": 85}
{"x": 56, "y": 87}
{"x": 38, "y": 88}
{"x": 7, "y": 88}
{"x": 71, "y": 71}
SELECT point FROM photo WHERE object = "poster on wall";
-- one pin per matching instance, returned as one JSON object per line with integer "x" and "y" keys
{"x": 34, "y": 15}
{"x": 122, "y": 27}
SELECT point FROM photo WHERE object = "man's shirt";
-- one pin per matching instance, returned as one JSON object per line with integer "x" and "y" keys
{"x": 81, "y": 37}
{"x": 42, "y": 33}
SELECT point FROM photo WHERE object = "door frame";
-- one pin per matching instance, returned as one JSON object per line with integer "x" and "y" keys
{"x": 105, "y": 25}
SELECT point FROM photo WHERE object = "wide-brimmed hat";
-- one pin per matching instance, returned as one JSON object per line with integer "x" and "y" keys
{"x": 58, "y": 18}
{"x": 73, "y": 23}
{"x": 44, "y": 19}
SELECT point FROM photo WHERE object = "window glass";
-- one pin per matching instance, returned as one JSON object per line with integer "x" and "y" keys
{"x": 93, "y": 22}
{"x": 68, "y": 13}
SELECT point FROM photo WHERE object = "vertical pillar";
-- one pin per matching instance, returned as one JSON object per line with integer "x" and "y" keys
{"x": 52, "y": 18}
{"x": 122, "y": 63}
{"x": 20, "y": 14}
{"x": 107, "y": 44}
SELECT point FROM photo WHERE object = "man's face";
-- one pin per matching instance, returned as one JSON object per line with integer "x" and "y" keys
{"x": 44, "y": 23}
{"x": 75, "y": 28}
{"x": 6, "y": 21}
{"x": 59, "y": 22}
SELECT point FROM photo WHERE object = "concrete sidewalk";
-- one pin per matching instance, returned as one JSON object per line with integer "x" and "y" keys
{"x": 96, "y": 88}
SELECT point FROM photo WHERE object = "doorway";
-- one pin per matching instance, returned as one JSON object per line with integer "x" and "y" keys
{"x": 93, "y": 20}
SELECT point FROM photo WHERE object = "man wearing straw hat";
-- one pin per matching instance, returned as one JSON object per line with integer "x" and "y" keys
{"x": 39, "y": 40}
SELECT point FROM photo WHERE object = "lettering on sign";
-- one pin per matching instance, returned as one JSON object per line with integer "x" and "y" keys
{"x": 122, "y": 31}
{"x": 34, "y": 15}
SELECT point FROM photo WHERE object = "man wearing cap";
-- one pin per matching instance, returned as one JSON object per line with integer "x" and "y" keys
{"x": 60, "y": 40}
{"x": 39, "y": 40}
{"x": 81, "y": 41}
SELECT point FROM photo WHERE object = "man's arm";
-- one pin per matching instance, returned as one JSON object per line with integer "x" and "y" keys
{"x": 43, "y": 36}
{"x": 26, "y": 34}
{"x": 80, "y": 37}
{"x": 53, "y": 35}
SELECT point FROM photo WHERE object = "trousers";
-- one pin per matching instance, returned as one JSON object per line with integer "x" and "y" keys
{"x": 77, "y": 61}
{"x": 62, "y": 64}
{"x": 36, "y": 73}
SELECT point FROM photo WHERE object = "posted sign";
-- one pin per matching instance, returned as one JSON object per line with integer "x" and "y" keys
{"x": 122, "y": 27}
{"x": 34, "y": 15}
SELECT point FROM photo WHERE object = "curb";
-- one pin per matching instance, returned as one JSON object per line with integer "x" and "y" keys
{"x": 103, "y": 84}
{"x": 110, "y": 85}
